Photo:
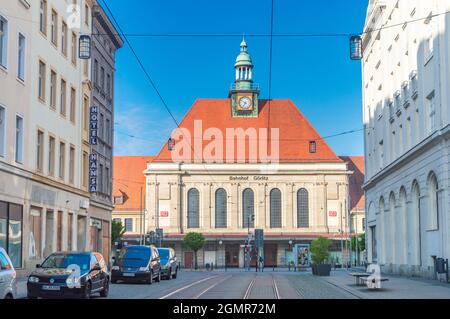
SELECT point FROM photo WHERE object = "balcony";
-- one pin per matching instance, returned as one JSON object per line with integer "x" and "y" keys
{"x": 244, "y": 86}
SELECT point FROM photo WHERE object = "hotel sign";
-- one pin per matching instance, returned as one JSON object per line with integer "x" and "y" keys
{"x": 93, "y": 125}
{"x": 93, "y": 173}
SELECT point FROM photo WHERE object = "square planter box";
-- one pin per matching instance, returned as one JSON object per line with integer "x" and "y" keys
{"x": 321, "y": 270}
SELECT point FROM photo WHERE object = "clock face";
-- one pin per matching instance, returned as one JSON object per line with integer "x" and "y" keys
{"x": 245, "y": 103}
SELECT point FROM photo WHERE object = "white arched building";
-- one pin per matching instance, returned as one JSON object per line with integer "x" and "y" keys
{"x": 407, "y": 129}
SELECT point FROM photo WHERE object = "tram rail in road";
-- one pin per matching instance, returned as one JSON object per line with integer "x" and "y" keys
{"x": 187, "y": 286}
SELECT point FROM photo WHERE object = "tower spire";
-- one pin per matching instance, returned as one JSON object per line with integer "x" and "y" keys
{"x": 243, "y": 93}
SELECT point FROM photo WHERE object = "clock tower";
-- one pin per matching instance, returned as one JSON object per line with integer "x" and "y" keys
{"x": 244, "y": 93}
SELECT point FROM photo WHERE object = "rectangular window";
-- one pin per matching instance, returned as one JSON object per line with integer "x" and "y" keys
{"x": 95, "y": 72}
{"x": 42, "y": 76}
{"x": 19, "y": 139}
{"x": 393, "y": 146}
{"x": 74, "y": 48}
{"x": 11, "y": 217}
{"x": 53, "y": 89}
{"x": 128, "y": 224}
{"x": 62, "y": 160}
{"x": 43, "y": 17}
{"x": 108, "y": 85}
{"x": 3, "y": 41}
{"x": 35, "y": 233}
{"x": 54, "y": 28}
{"x": 408, "y": 133}
{"x": 312, "y": 147}
{"x": 71, "y": 165}
{"x": 100, "y": 126}
{"x": 108, "y": 131}
{"x": 2, "y": 131}
{"x": 102, "y": 78}
{"x": 381, "y": 154}
{"x": 107, "y": 181}
{"x": 63, "y": 94}
{"x": 428, "y": 46}
{"x": 40, "y": 151}
{"x": 100, "y": 178}
{"x": 64, "y": 38}
{"x": 85, "y": 169}
{"x": 86, "y": 114}
{"x": 51, "y": 156}
{"x": 21, "y": 57}
{"x": 431, "y": 110}
{"x": 73, "y": 99}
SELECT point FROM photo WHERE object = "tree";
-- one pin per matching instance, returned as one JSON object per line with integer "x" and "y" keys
{"x": 194, "y": 241}
{"x": 320, "y": 250}
{"x": 117, "y": 230}
{"x": 361, "y": 239}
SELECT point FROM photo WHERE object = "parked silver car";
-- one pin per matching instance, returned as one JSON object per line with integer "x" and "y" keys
{"x": 8, "y": 284}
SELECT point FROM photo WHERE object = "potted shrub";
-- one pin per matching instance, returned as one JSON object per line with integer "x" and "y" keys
{"x": 320, "y": 253}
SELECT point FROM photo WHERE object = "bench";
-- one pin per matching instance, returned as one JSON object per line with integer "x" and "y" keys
{"x": 358, "y": 276}
{"x": 364, "y": 280}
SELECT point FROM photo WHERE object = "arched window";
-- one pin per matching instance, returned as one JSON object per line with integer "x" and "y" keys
{"x": 434, "y": 202}
{"x": 221, "y": 208}
{"x": 193, "y": 208}
{"x": 275, "y": 208}
{"x": 302, "y": 208}
{"x": 248, "y": 208}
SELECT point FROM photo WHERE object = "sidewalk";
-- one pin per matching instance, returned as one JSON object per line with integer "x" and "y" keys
{"x": 396, "y": 288}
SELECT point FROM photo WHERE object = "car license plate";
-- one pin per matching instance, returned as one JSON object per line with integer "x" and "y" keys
{"x": 53, "y": 288}
{"x": 128, "y": 274}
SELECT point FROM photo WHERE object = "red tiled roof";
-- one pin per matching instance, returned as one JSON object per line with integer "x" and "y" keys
{"x": 128, "y": 178}
{"x": 295, "y": 131}
{"x": 356, "y": 180}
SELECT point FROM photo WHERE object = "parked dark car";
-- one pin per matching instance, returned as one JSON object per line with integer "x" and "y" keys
{"x": 137, "y": 263}
{"x": 69, "y": 275}
{"x": 169, "y": 263}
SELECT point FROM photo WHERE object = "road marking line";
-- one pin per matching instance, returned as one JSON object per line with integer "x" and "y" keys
{"x": 211, "y": 287}
{"x": 186, "y": 287}
{"x": 250, "y": 286}
{"x": 275, "y": 287}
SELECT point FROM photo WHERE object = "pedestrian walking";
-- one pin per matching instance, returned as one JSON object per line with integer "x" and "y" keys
{"x": 261, "y": 263}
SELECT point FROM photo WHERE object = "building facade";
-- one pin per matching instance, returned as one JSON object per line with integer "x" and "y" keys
{"x": 105, "y": 43}
{"x": 15, "y": 93}
{"x": 129, "y": 189}
{"x": 406, "y": 119}
{"x": 244, "y": 163}
{"x": 45, "y": 97}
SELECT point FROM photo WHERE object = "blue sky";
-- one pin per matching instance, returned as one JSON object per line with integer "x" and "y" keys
{"x": 316, "y": 73}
